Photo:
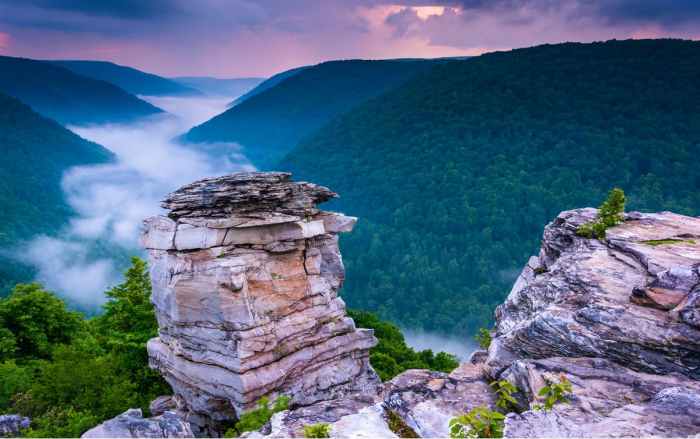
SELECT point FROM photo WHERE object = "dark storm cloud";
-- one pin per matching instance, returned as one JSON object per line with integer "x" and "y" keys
{"x": 668, "y": 13}
{"x": 112, "y": 8}
{"x": 664, "y": 12}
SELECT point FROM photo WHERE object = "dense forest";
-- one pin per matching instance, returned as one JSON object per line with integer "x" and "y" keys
{"x": 67, "y": 97}
{"x": 455, "y": 173}
{"x": 219, "y": 87}
{"x": 271, "y": 123}
{"x": 68, "y": 373}
{"x": 35, "y": 153}
{"x": 127, "y": 78}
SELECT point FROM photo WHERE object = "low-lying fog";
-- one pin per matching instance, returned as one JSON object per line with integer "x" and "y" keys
{"x": 461, "y": 346}
{"x": 110, "y": 201}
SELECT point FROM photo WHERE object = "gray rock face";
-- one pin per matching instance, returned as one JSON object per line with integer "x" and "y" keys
{"x": 12, "y": 425}
{"x": 245, "y": 272}
{"x": 246, "y": 195}
{"x": 427, "y": 400}
{"x": 607, "y": 400}
{"x": 631, "y": 299}
{"x": 131, "y": 423}
{"x": 618, "y": 318}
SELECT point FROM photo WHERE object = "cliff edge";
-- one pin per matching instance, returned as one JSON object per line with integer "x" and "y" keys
{"x": 246, "y": 271}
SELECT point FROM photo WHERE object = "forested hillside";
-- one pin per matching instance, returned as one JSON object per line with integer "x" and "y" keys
{"x": 62, "y": 95}
{"x": 268, "y": 83}
{"x": 454, "y": 174}
{"x": 130, "y": 79}
{"x": 224, "y": 87}
{"x": 270, "y": 123}
{"x": 35, "y": 153}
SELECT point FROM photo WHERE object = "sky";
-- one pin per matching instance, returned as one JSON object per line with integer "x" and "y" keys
{"x": 236, "y": 38}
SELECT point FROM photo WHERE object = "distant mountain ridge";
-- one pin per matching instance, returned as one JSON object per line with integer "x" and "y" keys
{"x": 36, "y": 151}
{"x": 128, "y": 78}
{"x": 67, "y": 97}
{"x": 223, "y": 87}
{"x": 270, "y": 123}
{"x": 268, "y": 83}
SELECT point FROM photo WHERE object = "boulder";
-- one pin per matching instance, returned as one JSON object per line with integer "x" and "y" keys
{"x": 131, "y": 423}
{"x": 12, "y": 425}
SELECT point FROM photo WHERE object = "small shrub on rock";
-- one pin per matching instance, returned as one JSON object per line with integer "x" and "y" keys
{"x": 504, "y": 395}
{"x": 483, "y": 338}
{"x": 554, "y": 393}
{"x": 255, "y": 419}
{"x": 479, "y": 422}
{"x": 317, "y": 430}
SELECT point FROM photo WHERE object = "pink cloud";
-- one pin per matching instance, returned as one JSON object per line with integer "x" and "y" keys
{"x": 4, "y": 41}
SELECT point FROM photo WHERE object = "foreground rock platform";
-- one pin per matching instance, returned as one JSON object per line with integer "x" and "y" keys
{"x": 245, "y": 272}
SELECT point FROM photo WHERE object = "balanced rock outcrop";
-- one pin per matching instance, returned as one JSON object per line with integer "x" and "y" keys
{"x": 245, "y": 272}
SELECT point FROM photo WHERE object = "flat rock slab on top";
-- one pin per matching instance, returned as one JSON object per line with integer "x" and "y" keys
{"x": 246, "y": 194}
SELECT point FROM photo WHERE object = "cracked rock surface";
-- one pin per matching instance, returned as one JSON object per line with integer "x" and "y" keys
{"x": 131, "y": 423}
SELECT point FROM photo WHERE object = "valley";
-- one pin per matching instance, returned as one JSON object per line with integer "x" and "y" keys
{"x": 349, "y": 219}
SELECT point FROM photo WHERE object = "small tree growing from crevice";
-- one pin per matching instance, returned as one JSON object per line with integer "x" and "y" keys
{"x": 610, "y": 214}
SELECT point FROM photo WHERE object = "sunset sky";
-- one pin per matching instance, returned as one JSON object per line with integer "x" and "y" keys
{"x": 233, "y": 38}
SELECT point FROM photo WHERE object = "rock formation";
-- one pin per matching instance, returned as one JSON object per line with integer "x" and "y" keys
{"x": 618, "y": 318}
{"x": 245, "y": 271}
{"x": 12, "y": 425}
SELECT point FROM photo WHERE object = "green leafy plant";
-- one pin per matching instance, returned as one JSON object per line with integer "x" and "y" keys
{"x": 610, "y": 213}
{"x": 479, "y": 422}
{"x": 504, "y": 395}
{"x": 317, "y": 430}
{"x": 254, "y": 420}
{"x": 555, "y": 392}
{"x": 483, "y": 337}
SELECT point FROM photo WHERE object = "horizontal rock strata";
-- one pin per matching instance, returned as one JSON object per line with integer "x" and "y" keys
{"x": 245, "y": 272}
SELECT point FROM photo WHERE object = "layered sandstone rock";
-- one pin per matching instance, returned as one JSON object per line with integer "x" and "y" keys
{"x": 245, "y": 271}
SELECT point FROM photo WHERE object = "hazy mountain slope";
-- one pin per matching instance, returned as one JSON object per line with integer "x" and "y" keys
{"x": 69, "y": 98}
{"x": 272, "y": 122}
{"x": 35, "y": 153}
{"x": 454, "y": 174}
{"x": 268, "y": 83}
{"x": 128, "y": 78}
{"x": 219, "y": 87}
